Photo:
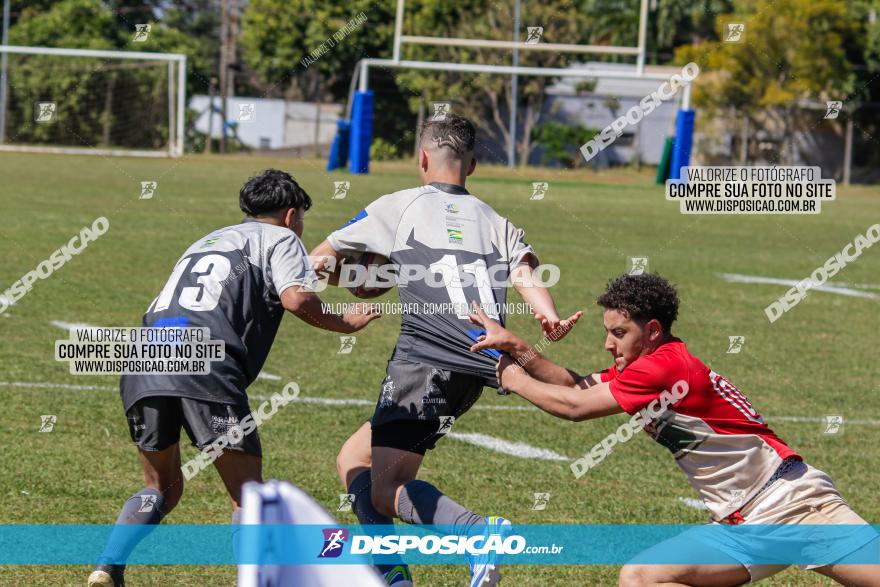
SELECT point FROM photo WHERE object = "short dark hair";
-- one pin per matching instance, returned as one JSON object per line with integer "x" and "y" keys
{"x": 453, "y": 132}
{"x": 270, "y": 192}
{"x": 642, "y": 298}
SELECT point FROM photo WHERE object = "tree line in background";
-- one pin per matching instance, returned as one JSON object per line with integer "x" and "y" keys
{"x": 797, "y": 51}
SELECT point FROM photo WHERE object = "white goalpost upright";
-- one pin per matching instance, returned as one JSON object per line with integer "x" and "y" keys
{"x": 94, "y": 102}
{"x": 361, "y": 128}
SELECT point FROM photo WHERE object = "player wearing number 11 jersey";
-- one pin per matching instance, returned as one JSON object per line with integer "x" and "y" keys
{"x": 450, "y": 249}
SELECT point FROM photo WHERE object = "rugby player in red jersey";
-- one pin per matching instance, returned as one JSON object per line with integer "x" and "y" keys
{"x": 743, "y": 472}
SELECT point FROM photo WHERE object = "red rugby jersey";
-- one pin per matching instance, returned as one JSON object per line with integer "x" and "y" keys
{"x": 717, "y": 437}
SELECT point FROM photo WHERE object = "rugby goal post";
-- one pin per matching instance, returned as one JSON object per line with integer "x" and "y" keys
{"x": 360, "y": 102}
{"x": 93, "y": 102}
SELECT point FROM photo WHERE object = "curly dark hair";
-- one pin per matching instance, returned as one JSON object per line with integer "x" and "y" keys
{"x": 270, "y": 192}
{"x": 454, "y": 132}
{"x": 642, "y": 298}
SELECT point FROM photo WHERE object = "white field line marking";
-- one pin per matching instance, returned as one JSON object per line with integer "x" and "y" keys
{"x": 514, "y": 449}
{"x": 821, "y": 420}
{"x": 834, "y": 288}
{"x": 268, "y": 376}
{"x": 330, "y": 401}
{"x": 322, "y": 401}
{"x": 858, "y": 285}
{"x": 692, "y": 503}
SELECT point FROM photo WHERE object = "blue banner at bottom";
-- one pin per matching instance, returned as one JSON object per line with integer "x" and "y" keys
{"x": 751, "y": 544}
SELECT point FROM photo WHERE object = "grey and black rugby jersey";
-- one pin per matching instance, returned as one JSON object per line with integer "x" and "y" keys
{"x": 229, "y": 281}
{"x": 466, "y": 251}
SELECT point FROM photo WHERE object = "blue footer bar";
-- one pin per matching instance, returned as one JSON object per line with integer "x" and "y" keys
{"x": 22, "y": 544}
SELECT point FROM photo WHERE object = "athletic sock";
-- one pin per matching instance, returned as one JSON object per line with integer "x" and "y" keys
{"x": 139, "y": 516}
{"x": 420, "y": 502}
{"x": 362, "y": 503}
{"x": 236, "y": 531}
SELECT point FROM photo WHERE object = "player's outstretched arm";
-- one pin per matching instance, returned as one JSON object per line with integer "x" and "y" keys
{"x": 309, "y": 308}
{"x": 499, "y": 338}
{"x": 561, "y": 401}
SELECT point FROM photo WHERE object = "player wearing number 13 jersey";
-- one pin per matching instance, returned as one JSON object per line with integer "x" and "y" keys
{"x": 237, "y": 282}
{"x": 450, "y": 249}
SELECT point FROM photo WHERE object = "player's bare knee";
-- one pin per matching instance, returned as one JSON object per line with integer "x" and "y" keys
{"x": 348, "y": 468}
{"x": 635, "y": 576}
{"x": 354, "y": 454}
{"x": 340, "y": 470}
{"x": 343, "y": 463}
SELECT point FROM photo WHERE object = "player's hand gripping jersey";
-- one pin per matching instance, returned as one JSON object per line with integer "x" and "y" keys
{"x": 455, "y": 238}
{"x": 718, "y": 439}
{"x": 229, "y": 281}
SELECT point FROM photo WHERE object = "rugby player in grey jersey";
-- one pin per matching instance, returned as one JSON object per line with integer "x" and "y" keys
{"x": 237, "y": 281}
{"x": 432, "y": 377}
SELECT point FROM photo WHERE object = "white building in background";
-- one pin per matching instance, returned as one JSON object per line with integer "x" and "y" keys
{"x": 609, "y": 99}
{"x": 595, "y": 103}
{"x": 269, "y": 124}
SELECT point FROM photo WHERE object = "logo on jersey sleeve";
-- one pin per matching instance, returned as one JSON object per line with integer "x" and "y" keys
{"x": 334, "y": 541}
{"x": 359, "y": 216}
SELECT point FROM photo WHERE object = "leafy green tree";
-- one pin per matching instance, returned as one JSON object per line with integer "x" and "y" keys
{"x": 613, "y": 22}
{"x": 483, "y": 97}
{"x": 683, "y": 21}
{"x": 557, "y": 139}
{"x": 279, "y": 45}
{"x": 100, "y": 102}
{"x": 277, "y": 35}
{"x": 197, "y": 24}
{"x": 794, "y": 51}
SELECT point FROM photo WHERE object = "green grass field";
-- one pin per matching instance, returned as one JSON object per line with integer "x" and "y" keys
{"x": 818, "y": 359}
